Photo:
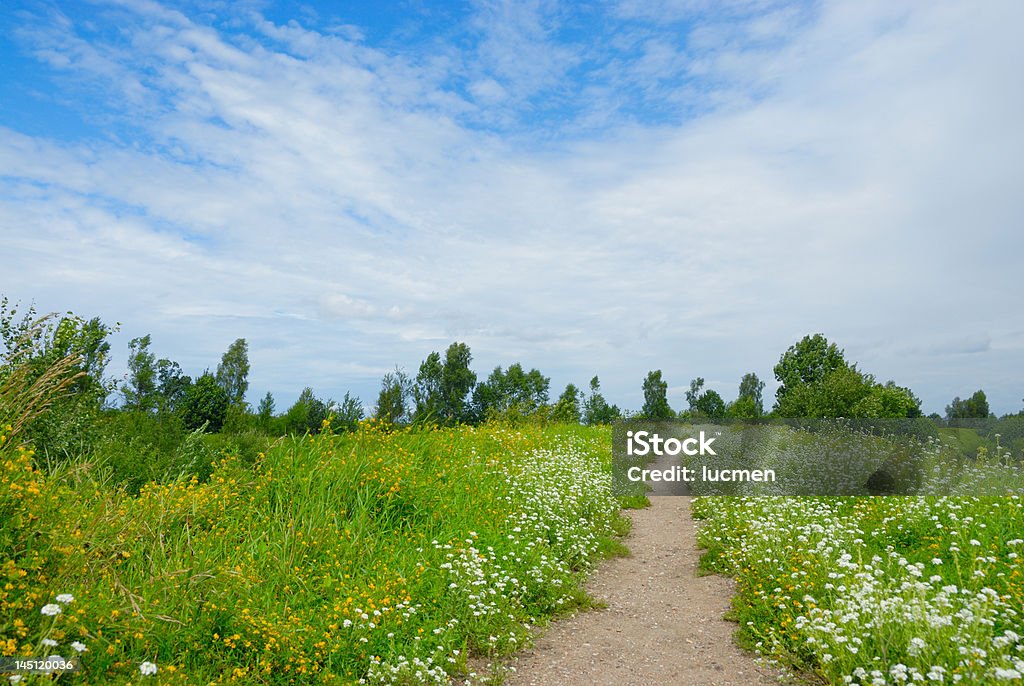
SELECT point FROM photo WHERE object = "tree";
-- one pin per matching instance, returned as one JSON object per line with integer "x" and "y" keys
{"x": 975, "y": 407}
{"x": 393, "y": 401}
{"x": 34, "y": 345}
{"x": 818, "y": 382}
{"x": 265, "y": 411}
{"x": 693, "y": 395}
{"x": 514, "y": 390}
{"x": 707, "y": 404}
{"x": 427, "y": 390}
{"x": 307, "y": 414}
{"x": 656, "y": 397}
{"x": 596, "y": 409}
{"x": 744, "y": 407}
{"x": 140, "y": 389}
{"x": 205, "y": 402}
{"x": 457, "y": 380}
{"x": 751, "y": 389}
{"x": 233, "y": 372}
{"x": 442, "y": 387}
{"x": 804, "y": 364}
{"x": 348, "y": 414}
{"x": 567, "y": 408}
{"x": 172, "y": 385}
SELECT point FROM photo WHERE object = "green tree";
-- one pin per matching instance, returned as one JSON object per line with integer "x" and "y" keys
{"x": 457, "y": 381}
{"x": 205, "y": 402}
{"x": 393, "y": 400}
{"x": 704, "y": 404}
{"x": 567, "y": 407}
{"x": 752, "y": 390}
{"x": 596, "y": 409}
{"x": 307, "y": 414}
{"x": 172, "y": 385}
{"x": 514, "y": 390}
{"x": 442, "y": 388}
{"x": 233, "y": 372}
{"x": 427, "y": 389}
{"x": 140, "y": 389}
{"x": 34, "y": 345}
{"x": 656, "y": 397}
{"x": 265, "y": 411}
{"x": 817, "y": 381}
{"x": 804, "y": 364}
{"x": 975, "y": 407}
{"x": 348, "y": 414}
{"x": 744, "y": 407}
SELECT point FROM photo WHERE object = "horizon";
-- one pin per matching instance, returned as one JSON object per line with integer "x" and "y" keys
{"x": 587, "y": 191}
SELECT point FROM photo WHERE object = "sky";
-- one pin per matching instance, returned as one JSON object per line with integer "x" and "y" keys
{"x": 596, "y": 188}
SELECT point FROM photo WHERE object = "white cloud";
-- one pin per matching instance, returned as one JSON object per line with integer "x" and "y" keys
{"x": 346, "y": 209}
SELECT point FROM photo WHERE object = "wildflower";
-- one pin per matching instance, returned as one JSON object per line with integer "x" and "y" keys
{"x": 49, "y": 642}
{"x": 51, "y": 610}
{"x": 148, "y": 669}
{"x": 65, "y": 598}
{"x": 79, "y": 646}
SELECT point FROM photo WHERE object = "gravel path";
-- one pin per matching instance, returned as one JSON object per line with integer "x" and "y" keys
{"x": 663, "y": 624}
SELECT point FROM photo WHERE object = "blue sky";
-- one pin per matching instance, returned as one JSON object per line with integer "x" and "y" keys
{"x": 589, "y": 189}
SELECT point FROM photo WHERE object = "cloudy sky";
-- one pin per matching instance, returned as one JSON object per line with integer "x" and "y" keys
{"x": 601, "y": 189}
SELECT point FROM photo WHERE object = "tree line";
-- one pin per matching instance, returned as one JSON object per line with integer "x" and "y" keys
{"x": 157, "y": 398}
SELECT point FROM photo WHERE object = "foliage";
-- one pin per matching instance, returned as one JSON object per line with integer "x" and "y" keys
{"x": 596, "y": 409}
{"x": 816, "y": 381}
{"x": 307, "y": 415}
{"x": 205, "y": 405}
{"x": 805, "y": 364}
{"x": 975, "y": 407}
{"x": 707, "y": 404}
{"x": 395, "y": 399}
{"x": 32, "y": 346}
{"x": 876, "y": 590}
{"x": 140, "y": 389}
{"x": 173, "y": 385}
{"x": 233, "y": 372}
{"x": 329, "y": 560}
{"x": 512, "y": 391}
{"x": 348, "y": 414}
{"x": 749, "y": 403}
{"x": 441, "y": 388}
{"x": 26, "y": 395}
{"x": 265, "y": 412}
{"x": 567, "y": 408}
{"x": 655, "y": 397}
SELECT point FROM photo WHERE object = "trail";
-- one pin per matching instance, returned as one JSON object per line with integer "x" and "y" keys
{"x": 663, "y": 624}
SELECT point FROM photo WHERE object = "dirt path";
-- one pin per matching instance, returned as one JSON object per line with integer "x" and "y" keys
{"x": 663, "y": 624}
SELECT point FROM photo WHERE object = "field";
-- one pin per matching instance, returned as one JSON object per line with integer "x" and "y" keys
{"x": 375, "y": 557}
{"x": 417, "y": 556}
{"x": 876, "y": 590}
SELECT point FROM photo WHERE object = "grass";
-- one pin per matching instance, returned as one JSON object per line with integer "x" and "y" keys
{"x": 389, "y": 557}
{"x": 876, "y": 590}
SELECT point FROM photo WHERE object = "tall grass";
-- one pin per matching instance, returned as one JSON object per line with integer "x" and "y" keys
{"x": 387, "y": 557}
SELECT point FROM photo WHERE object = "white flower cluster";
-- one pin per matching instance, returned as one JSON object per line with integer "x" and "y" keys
{"x": 405, "y": 671}
{"x": 561, "y": 504}
{"x": 881, "y": 618}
